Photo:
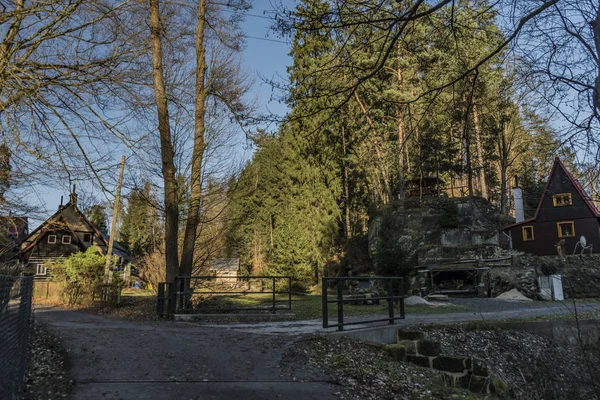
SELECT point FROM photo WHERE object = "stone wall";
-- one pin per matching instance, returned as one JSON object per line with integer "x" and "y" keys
{"x": 466, "y": 372}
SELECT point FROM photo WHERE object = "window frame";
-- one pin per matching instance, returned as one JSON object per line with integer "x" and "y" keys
{"x": 87, "y": 235}
{"x": 66, "y": 237}
{"x": 37, "y": 270}
{"x": 52, "y": 242}
{"x": 560, "y": 235}
{"x": 558, "y": 195}
{"x": 525, "y": 239}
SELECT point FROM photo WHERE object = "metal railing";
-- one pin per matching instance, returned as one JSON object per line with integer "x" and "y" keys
{"x": 394, "y": 293}
{"x": 15, "y": 312}
{"x": 175, "y": 297}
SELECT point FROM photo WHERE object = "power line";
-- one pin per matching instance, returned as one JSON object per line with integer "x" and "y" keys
{"x": 266, "y": 40}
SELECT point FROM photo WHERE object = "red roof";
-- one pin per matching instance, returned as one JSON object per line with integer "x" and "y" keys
{"x": 575, "y": 183}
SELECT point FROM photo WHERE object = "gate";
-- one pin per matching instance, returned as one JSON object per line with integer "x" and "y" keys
{"x": 394, "y": 288}
{"x": 176, "y": 297}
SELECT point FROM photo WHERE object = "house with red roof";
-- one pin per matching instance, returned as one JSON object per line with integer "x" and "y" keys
{"x": 563, "y": 216}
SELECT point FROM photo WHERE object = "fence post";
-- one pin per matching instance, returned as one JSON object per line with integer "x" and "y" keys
{"x": 340, "y": 305}
{"x": 160, "y": 299}
{"x": 402, "y": 310}
{"x": 324, "y": 303}
{"x": 391, "y": 301}
{"x": 171, "y": 298}
{"x": 290, "y": 293}
{"x": 273, "y": 295}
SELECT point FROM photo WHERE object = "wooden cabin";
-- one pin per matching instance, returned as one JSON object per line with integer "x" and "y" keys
{"x": 564, "y": 214}
{"x": 225, "y": 270}
{"x": 66, "y": 232}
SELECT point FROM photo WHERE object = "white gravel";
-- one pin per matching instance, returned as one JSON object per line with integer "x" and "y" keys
{"x": 419, "y": 301}
{"x": 513, "y": 294}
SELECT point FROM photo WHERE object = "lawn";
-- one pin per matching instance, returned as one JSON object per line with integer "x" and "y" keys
{"x": 309, "y": 306}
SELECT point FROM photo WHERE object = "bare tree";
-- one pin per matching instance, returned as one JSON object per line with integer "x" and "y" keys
{"x": 218, "y": 81}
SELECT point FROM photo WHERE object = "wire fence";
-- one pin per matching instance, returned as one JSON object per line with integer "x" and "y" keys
{"x": 15, "y": 311}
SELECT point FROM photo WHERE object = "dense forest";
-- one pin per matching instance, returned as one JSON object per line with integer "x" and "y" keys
{"x": 305, "y": 200}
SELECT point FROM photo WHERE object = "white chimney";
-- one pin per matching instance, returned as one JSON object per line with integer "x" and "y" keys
{"x": 519, "y": 211}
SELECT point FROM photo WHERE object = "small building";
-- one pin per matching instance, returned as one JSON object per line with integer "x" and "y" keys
{"x": 12, "y": 231}
{"x": 225, "y": 270}
{"x": 565, "y": 214}
{"x": 66, "y": 232}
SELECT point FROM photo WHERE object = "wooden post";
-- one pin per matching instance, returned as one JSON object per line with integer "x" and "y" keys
{"x": 113, "y": 225}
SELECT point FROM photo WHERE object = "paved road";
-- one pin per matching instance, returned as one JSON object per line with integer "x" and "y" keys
{"x": 117, "y": 359}
{"x": 479, "y": 309}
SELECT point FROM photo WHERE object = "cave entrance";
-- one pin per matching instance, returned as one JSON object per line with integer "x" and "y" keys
{"x": 464, "y": 281}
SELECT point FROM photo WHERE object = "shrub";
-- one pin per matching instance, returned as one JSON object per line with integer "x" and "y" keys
{"x": 152, "y": 268}
{"x": 82, "y": 272}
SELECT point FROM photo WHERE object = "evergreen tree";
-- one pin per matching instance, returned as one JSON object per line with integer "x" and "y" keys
{"x": 98, "y": 217}
{"x": 139, "y": 222}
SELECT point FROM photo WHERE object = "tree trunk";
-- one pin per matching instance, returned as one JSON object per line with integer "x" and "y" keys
{"x": 346, "y": 187}
{"x": 380, "y": 159}
{"x": 482, "y": 182}
{"x": 193, "y": 216}
{"x": 400, "y": 125}
{"x": 596, "y": 29}
{"x": 503, "y": 151}
{"x": 166, "y": 146}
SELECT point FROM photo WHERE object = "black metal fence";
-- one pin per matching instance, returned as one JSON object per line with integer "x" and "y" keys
{"x": 15, "y": 311}
{"x": 177, "y": 297}
{"x": 394, "y": 293}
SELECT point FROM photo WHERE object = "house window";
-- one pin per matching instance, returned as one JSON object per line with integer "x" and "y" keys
{"x": 562, "y": 199}
{"x": 87, "y": 237}
{"x": 528, "y": 233}
{"x": 566, "y": 229}
{"x": 66, "y": 239}
{"x": 51, "y": 239}
{"x": 40, "y": 269}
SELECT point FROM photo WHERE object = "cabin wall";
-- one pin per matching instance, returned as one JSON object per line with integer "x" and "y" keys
{"x": 546, "y": 238}
{"x": 560, "y": 183}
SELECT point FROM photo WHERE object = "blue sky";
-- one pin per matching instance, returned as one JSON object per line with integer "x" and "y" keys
{"x": 265, "y": 55}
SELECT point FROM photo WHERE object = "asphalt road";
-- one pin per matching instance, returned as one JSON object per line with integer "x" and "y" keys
{"x": 118, "y": 359}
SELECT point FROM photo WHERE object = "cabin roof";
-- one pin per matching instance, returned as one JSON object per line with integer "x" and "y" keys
{"x": 224, "y": 264}
{"x": 118, "y": 250}
{"x": 576, "y": 184}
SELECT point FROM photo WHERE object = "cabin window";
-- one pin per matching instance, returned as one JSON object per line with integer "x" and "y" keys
{"x": 51, "y": 239}
{"x": 40, "y": 269}
{"x": 87, "y": 237}
{"x": 562, "y": 199}
{"x": 528, "y": 233}
{"x": 566, "y": 229}
{"x": 66, "y": 239}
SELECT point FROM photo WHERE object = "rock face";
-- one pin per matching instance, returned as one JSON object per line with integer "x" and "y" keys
{"x": 580, "y": 275}
{"x": 436, "y": 231}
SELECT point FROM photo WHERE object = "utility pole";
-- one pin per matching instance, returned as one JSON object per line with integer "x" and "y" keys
{"x": 113, "y": 225}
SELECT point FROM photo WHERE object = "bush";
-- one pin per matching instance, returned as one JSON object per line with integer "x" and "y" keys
{"x": 152, "y": 268}
{"x": 82, "y": 272}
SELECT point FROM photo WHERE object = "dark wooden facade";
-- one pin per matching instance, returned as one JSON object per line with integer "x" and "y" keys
{"x": 66, "y": 232}
{"x": 564, "y": 212}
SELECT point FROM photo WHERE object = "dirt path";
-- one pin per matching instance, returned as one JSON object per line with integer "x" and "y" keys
{"x": 118, "y": 359}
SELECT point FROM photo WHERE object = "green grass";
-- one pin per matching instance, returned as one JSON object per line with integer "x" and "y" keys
{"x": 309, "y": 306}
{"x": 138, "y": 293}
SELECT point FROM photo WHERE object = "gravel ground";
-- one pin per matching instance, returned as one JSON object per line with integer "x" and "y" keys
{"x": 532, "y": 366}
{"x": 365, "y": 372}
{"x": 47, "y": 376}
{"x": 475, "y": 304}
